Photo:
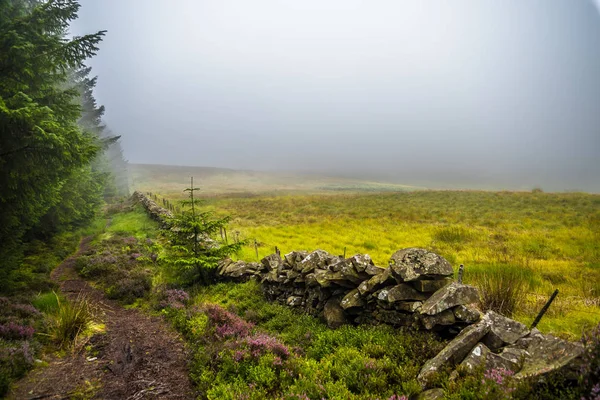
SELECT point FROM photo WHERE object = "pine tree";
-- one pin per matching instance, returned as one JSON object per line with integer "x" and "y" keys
{"x": 195, "y": 251}
{"x": 41, "y": 145}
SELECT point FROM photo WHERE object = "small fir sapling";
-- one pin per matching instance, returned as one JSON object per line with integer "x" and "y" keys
{"x": 194, "y": 250}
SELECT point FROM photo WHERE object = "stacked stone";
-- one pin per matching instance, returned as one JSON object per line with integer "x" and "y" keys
{"x": 497, "y": 342}
{"x": 416, "y": 290}
{"x": 155, "y": 212}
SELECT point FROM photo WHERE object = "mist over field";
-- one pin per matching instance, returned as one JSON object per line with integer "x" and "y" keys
{"x": 462, "y": 94}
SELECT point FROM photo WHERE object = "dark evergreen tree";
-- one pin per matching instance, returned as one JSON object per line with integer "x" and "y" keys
{"x": 41, "y": 145}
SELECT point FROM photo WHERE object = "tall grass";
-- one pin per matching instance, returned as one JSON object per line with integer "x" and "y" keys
{"x": 70, "y": 320}
{"x": 503, "y": 287}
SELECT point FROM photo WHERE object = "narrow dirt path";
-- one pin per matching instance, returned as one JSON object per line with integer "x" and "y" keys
{"x": 138, "y": 357}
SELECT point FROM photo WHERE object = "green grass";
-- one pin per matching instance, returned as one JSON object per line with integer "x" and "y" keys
{"x": 134, "y": 222}
{"x": 47, "y": 302}
{"x": 552, "y": 239}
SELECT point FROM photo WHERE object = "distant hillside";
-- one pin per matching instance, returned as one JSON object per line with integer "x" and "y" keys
{"x": 173, "y": 179}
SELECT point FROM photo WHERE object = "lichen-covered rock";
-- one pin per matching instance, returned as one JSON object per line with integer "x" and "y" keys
{"x": 352, "y": 300}
{"x": 271, "y": 262}
{"x": 223, "y": 264}
{"x": 373, "y": 270}
{"x": 431, "y": 394}
{"x": 334, "y": 313}
{"x": 311, "y": 280}
{"x": 514, "y": 355}
{"x": 430, "y": 285}
{"x": 455, "y": 351}
{"x": 320, "y": 277}
{"x": 444, "y": 318}
{"x": 314, "y": 260}
{"x": 548, "y": 355}
{"x": 482, "y": 356}
{"x": 403, "y": 292}
{"x": 361, "y": 262}
{"x": 294, "y": 258}
{"x": 450, "y": 296}
{"x": 413, "y": 263}
{"x": 376, "y": 282}
{"x": 294, "y": 301}
{"x": 466, "y": 314}
{"x": 237, "y": 269}
{"x": 503, "y": 331}
{"x": 349, "y": 272}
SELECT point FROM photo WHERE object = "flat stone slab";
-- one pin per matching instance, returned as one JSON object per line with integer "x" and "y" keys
{"x": 403, "y": 292}
{"x": 414, "y": 263}
{"x": 548, "y": 355}
{"x": 444, "y": 318}
{"x": 482, "y": 356}
{"x": 352, "y": 300}
{"x": 449, "y": 296}
{"x": 376, "y": 282}
{"x": 455, "y": 351}
{"x": 430, "y": 285}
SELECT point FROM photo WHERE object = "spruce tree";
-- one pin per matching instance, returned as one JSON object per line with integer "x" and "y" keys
{"x": 41, "y": 145}
{"x": 195, "y": 249}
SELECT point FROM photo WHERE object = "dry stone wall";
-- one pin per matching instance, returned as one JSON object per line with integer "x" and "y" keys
{"x": 155, "y": 212}
{"x": 416, "y": 290}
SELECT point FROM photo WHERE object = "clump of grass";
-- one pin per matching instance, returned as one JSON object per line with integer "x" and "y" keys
{"x": 46, "y": 302}
{"x": 503, "y": 288}
{"x": 70, "y": 320}
{"x": 453, "y": 234}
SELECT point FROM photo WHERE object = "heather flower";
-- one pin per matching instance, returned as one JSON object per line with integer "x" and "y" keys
{"x": 396, "y": 397}
{"x": 227, "y": 324}
{"x": 498, "y": 380}
{"x": 261, "y": 343}
{"x": 130, "y": 240}
{"x": 496, "y": 375}
{"x": 12, "y": 330}
{"x": 25, "y": 310}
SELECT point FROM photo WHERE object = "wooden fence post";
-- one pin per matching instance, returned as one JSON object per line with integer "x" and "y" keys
{"x": 544, "y": 309}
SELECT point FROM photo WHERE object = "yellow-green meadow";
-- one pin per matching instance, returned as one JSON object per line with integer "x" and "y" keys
{"x": 542, "y": 241}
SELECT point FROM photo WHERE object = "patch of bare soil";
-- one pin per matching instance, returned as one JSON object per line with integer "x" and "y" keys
{"x": 137, "y": 357}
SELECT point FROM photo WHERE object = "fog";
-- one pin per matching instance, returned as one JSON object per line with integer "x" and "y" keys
{"x": 501, "y": 94}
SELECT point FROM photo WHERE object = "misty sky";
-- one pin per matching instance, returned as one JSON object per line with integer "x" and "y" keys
{"x": 461, "y": 93}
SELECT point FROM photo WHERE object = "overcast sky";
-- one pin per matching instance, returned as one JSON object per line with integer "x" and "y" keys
{"x": 462, "y": 93}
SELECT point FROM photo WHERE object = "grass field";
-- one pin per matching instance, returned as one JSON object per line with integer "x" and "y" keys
{"x": 546, "y": 240}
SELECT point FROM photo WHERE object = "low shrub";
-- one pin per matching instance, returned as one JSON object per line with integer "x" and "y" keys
{"x": 16, "y": 358}
{"x": 133, "y": 285}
